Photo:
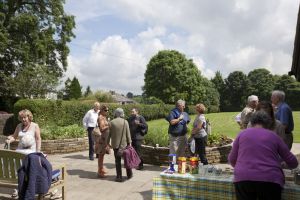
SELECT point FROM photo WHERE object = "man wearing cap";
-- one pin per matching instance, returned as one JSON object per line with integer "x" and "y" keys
{"x": 283, "y": 113}
{"x": 248, "y": 110}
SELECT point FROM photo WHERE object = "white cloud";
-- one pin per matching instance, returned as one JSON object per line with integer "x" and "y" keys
{"x": 218, "y": 35}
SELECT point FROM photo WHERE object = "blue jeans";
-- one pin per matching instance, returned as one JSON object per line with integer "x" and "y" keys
{"x": 91, "y": 142}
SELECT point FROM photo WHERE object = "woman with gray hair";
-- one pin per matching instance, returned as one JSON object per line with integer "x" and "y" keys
{"x": 119, "y": 135}
{"x": 255, "y": 156}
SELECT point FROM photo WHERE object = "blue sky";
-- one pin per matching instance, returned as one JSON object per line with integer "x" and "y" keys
{"x": 115, "y": 39}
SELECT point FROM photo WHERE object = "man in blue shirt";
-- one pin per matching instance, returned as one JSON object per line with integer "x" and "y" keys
{"x": 283, "y": 113}
{"x": 178, "y": 120}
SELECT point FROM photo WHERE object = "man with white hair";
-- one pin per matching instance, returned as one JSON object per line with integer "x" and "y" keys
{"x": 178, "y": 120}
{"x": 283, "y": 113}
{"x": 248, "y": 110}
{"x": 90, "y": 122}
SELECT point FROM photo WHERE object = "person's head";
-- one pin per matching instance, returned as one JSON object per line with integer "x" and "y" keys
{"x": 27, "y": 141}
{"x": 261, "y": 118}
{"x": 180, "y": 104}
{"x": 134, "y": 112}
{"x": 104, "y": 110}
{"x": 25, "y": 116}
{"x": 119, "y": 112}
{"x": 200, "y": 108}
{"x": 252, "y": 101}
{"x": 277, "y": 97}
{"x": 268, "y": 108}
{"x": 96, "y": 106}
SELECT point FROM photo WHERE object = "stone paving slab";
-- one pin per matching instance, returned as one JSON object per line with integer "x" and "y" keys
{"x": 83, "y": 184}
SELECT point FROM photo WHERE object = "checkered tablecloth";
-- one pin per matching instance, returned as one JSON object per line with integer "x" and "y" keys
{"x": 187, "y": 186}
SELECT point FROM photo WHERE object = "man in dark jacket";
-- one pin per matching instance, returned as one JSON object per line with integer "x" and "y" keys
{"x": 138, "y": 128}
{"x": 34, "y": 176}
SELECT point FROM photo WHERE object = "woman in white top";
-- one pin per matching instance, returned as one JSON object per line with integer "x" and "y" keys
{"x": 26, "y": 127}
{"x": 199, "y": 133}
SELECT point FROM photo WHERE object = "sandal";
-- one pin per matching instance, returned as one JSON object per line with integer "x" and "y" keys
{"x": 101, "y": 175}
{"x": 56, "y": 196}
{"x": 14, "y": 195}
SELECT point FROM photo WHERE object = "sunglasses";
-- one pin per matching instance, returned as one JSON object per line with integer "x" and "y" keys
{"x": 106, "y": 110}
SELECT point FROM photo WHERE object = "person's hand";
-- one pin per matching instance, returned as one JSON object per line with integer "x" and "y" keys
{"x": 8, "y": 139}
{"x": 181, "y": 117}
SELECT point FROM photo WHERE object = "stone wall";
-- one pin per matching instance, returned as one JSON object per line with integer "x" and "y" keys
{"x": 159, "y": 155}
{"x": 6, "y": 124}
{"x": 58, "y": 146}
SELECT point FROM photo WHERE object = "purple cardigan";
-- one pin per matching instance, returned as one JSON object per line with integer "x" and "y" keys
{"x": 255, "y": 156}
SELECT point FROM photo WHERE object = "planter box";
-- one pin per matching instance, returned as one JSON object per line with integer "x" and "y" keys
{"x": 159, "y": 155}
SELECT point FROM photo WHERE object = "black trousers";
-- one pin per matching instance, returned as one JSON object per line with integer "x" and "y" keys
{"x": 257, "y": 190}
{"x": 200, "y": 144}
{"x": 91, "y": 142}
{"x": 119, "y": 166}
{"x": 137, "y": 146}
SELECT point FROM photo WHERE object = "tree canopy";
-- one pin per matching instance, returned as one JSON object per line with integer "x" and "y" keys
{"x": 33, "y": 33}
{"x": 171, "y": 76}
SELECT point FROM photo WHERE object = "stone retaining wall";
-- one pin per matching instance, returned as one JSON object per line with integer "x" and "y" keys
{"x": 159, "y": 155}
{"x": 58, "y": 146}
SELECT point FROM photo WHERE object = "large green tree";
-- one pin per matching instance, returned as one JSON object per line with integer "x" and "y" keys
{"x": 171, "y": 76}
{"x": 33, "y": 33}
{"x": 72, "y": 89}
{"x": 261, "y": 83}
{"x": 236, "y": 91}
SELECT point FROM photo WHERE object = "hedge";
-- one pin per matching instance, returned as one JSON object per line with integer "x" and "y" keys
{"x": 64, "y": 113}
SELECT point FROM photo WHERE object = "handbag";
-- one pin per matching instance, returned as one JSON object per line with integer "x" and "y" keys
{"x": 121, "y": 149}
{"x": 131, "y": 158}
{"x": 96, "y": 131}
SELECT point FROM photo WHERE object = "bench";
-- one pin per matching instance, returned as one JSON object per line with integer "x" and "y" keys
{"x": 11, "y": 161}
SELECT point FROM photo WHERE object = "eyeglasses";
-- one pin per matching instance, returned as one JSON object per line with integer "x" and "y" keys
{"x": 106, "y": 110}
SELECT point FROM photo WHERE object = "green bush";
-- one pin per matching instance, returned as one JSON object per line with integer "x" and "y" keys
{"x": 59, "y": 132}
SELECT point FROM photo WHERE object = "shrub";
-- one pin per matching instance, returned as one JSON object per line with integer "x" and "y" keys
{"x": 59, "y": 132}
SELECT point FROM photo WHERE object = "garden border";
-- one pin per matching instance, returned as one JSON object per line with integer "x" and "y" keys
{"x": 159, "y": 155}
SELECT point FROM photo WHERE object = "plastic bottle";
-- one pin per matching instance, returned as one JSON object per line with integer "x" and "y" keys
{"x": 200, "y": 169}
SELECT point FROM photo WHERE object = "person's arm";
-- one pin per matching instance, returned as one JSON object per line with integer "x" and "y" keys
{"x": 38, "y": 138}
{"x": 84, "y": 120}
{"x": 176, "y": 121}
{"x": 128, "y": 136}
{"x": 286, "y": 155}
{"x": 102, "y": 125}
{"x": 232, "y": 157}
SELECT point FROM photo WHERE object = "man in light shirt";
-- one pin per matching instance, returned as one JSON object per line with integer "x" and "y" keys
{"x": 90, "y": 122}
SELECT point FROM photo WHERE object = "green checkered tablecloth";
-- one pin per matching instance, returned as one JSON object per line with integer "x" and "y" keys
{"x": 189, "y": 186}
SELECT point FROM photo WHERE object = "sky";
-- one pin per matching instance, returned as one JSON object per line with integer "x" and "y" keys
{"x": 115, "y": 39}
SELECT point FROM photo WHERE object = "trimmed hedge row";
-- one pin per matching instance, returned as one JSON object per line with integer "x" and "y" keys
{"x": 64, "y": 113}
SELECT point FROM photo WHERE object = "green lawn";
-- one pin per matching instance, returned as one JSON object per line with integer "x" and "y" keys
{"x": 222, "y": 123}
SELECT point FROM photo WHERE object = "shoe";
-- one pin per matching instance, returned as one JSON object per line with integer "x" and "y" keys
{"x": 118, "y": 179}
{"x": 91, "y": 159}
{"x": 97, "y": 155}
{"x": 56, "y": 196}
{"x": 129, "y": 177}
{"x": 14, "y": 195}
{"x": 101, "y": 175}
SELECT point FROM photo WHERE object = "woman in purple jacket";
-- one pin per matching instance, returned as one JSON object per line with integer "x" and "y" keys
{"x": 255, "y": 157}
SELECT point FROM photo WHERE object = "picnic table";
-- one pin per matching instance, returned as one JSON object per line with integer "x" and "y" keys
{"x": 194, "y": 186}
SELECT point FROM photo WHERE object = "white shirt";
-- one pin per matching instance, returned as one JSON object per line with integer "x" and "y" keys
{"x": 90, "y": 118}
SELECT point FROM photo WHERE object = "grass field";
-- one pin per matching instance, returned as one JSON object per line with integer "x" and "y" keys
{"x": 222, "y": 123}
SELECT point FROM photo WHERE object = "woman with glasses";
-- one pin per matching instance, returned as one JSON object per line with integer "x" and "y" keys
{"x": 101, "y": 142}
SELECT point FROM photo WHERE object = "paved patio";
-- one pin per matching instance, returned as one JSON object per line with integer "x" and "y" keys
{"x": 83, "y": 184}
